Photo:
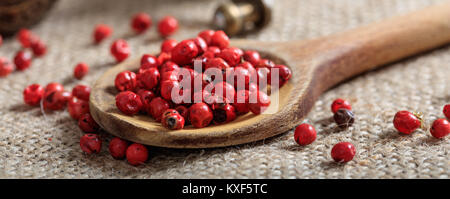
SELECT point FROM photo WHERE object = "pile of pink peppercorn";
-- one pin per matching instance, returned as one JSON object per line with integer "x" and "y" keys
{"x": 148, "y": 90}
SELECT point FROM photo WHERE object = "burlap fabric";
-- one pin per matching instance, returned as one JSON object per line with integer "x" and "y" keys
{"x": 34, "y": 146}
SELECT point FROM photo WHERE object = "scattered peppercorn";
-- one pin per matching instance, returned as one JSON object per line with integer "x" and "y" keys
{"x": 440, "y": 128}
{"x": 120, "y": 50}
{"x": 82, "y": 92}
{"x": 22, "y": 60}
{"x": 33, "y": 94}
{"x": 406, "y": 122}
{"x": 39, "y": 48}
{"x": 305, "y": 134}
{"x": 26, "y": 37}
{"x": 101, "y": 32}
{"x": 118, "y": 148}
{"x": 141, "y": 22}
{"x": 6, "y": 67}
{"x": 77, "y": 107}
{"x": 53, "y": 86}
{"x": 56, "y": 100}
{"x": 81, "y": 70}
{"x": 136, "y": 154}
{"x": 167, "y": 26}
{"x": 340, "y": 103}
{"x": 87, "y": 123}
{"x": 343, "y": 152}
{"x": 447, "y": 111}
{"x": 344, "y": 118}
{"x": 90, "y": 143}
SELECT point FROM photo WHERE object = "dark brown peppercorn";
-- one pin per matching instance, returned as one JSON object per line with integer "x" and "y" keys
{"x": 344, "y": 118}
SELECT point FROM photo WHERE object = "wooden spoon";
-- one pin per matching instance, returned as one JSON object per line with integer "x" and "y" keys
{"x": 317, "y": 65}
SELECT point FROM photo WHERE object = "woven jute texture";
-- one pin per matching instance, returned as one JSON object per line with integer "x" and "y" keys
{"x": 34, "y": 146}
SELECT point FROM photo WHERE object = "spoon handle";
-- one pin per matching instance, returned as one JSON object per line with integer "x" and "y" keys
{"x": 353, "y": 52}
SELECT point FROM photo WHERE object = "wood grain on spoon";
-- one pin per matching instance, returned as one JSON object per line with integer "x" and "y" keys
{"x": 317, "y": 65}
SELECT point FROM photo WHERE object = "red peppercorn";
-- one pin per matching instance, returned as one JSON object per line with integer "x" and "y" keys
{"x": 148, "y": 61}
{"x": 39, "y": 48}
{"x": 201, "y": 96}
{"x": 87, "y": 124}
{"x": 157, "y": 107}
{"x": 167, "y": 87}
{"x": 149, "y": 78}
{"x": 56, "y": 100}
{"x": 82, "y": 92}
{"x": 262, "y": 75}
{"x": 146, "y": 97}
{"x": 164, "y": 57}
{"x": 440, "y": 128}
{"x": 128, "y": 102}
{"x": 136, "y": 154}
{"x": 77, "y": 107}
{"x": 241, "y": 102}
{"x": 447, "y": 111}
{"x": 238, "y": 76}
{"x": 91, "y": 143}
{"x": 183, "y": 112}
{"x": 224, "y": 90}
{"x": 172, "y": 120}
{"x": 340, "y": 104}
{"x": 101, "y": 32}
{"x": 258, "y": 102}
{"x": 207, "y": 36}
{"x": 284, "y": 74}
{"x": 168, "y": 67}
{"x": 33, "y": 94}
{"x": 252, "y": 87}
{"x": 184, "y": 52}
{"x": 22, "y": 60}
{"x": 305, "y": 134}
{"x": 214, "y": 49}
{"x": 231, "y": 55}
{"x": 80, "y": 70}
{"x": 201, "y": 45}
{"x": 223, "y": 113}
{"x": 252, "y": 56}
{"x": 218, "y": 63}
{"x": 265, "y": 63}
{"x": 53, "y": 86}
{"x": 167, "y": 26}
{"x": 125, "y": 81}
{"x": 170, "y": 76}
{"x": 6, "y": 67}
{"x": 343, "y": 152}
{"x": 120, "y": 50}
{"x": 247, "y": 65}
{"x": 406, "y": 122}
{"x": 118, "y": 148}
{"x": 26, "y": 37}
{"x": 141, "y": 22}
{"x": 168, "y": 45}
{"x": 220, "y": 39}
{"x": 200, "y": 115}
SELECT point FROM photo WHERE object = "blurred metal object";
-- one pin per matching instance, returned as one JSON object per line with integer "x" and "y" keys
{"x": 242, "y": 16}
{"x": 17, "y": 14}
